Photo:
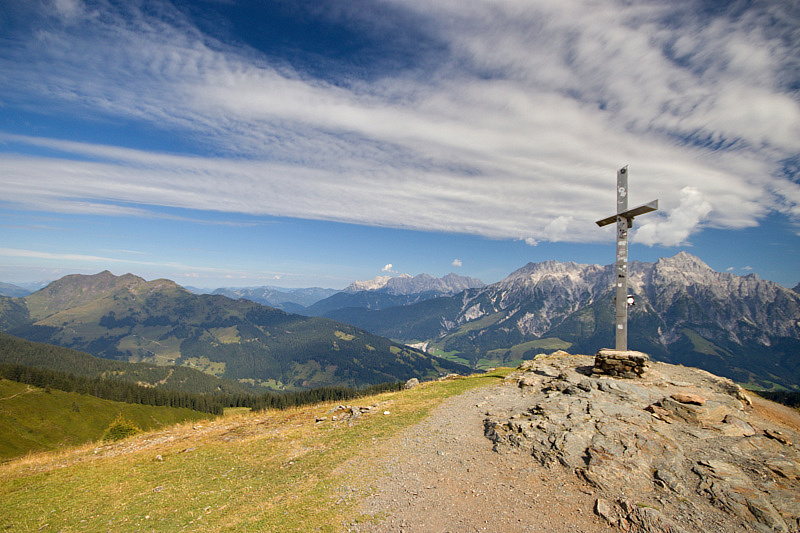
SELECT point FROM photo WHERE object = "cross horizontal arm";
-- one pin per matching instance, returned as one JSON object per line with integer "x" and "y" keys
{"x": 630, "y": 213}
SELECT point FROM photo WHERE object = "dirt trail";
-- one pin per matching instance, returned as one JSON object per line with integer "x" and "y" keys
{"x": 28, "y": 390}
{"x": 442, "y": 475}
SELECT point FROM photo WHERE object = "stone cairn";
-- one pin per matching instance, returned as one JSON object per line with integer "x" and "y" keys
{"x": 623, "y": 364}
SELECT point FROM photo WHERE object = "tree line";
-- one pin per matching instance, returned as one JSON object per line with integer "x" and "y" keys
{"x": 790, "y": 398}
{"x": 284, "y": 400}
{"x": 122, "y": 391}
{"x": 107, "y": 389}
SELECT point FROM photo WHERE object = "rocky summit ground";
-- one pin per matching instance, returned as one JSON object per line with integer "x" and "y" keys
{"x": 559, "y": 449}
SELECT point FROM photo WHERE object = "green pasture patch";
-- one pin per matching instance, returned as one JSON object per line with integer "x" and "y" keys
{"x": 702, "y": 345}
{"x": 451, "y": 356}
{"x": 515, "y": 353}
{"x": 150, "y": 347}
{"x": 204, "y": 364}
{"x": 229, "y": 335}
{"x": 481, "y": 323}
{"x": 344, "y": 336}
{"x": 34, "y": 420}
{"x": 272, "y": 384}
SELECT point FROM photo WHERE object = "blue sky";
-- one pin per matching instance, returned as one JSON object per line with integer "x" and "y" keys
{"x": 313, "y": 143}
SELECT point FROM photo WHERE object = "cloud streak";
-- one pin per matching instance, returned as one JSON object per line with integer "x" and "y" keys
{"x": 195, "y": 271}
{"x": 497, "y": 141}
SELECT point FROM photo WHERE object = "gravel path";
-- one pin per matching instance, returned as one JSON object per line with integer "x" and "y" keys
{"x": 443, "y": 476}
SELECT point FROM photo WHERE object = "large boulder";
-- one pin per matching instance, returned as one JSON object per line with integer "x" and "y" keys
{"x": 677, "y": 449}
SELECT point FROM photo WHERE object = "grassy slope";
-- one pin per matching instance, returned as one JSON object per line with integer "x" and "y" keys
{"x": 32, "y": 420}
{"x": 273, "y": 471}
{"x": 18, "y": 351}
{"x": 159, "y": 322}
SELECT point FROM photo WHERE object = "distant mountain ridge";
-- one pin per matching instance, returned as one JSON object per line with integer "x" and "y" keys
{"x": 387, "y": 291}
{"x": 9, "y": 289}
{"x": 406, "y": 284}
{"x": 745, "y": 328}
{"x": 296, "y": 300}
{"x": 130, "y": 319}
{"x": 290, "y": 300}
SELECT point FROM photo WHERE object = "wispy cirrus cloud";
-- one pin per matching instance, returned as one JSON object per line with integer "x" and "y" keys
{"x": 516, "y": 133}
{"x": 123, "y": 260}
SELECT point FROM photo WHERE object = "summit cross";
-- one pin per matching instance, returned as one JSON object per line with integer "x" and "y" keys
{"x": 624, "y": 219}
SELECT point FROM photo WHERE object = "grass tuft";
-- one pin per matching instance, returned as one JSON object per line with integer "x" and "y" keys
{"x": 120, "y": 429}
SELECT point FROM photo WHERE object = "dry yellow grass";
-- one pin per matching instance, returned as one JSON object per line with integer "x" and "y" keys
{"x": 269, "y": 471}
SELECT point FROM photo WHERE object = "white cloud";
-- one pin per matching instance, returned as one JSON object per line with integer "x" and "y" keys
{"x": 88, "y": 262}
{"x": 69, "y": 10}
{"x": 457, "y": 263}
{"x": 559, "y": 95}
{"x": 388, "y": 268}
{"x": 16, "y": 252}
{"x": 675, "y": 228}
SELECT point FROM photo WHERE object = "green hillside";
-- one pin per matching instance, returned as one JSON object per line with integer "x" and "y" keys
{"x": 129, "y": 319}
{"x": 16, "y": 351}
{"x": 34, "y": 419}
{"x": 416, "y": 322}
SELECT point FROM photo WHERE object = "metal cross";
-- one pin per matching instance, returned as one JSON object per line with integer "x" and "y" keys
{"x": 624, "y": 220}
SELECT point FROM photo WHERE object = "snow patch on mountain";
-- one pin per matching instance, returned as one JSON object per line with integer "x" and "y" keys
{"x": 373, "y": 284}
{"x": 406, "y": 284}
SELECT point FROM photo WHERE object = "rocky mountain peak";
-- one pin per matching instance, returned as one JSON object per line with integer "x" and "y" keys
{"x": 405, "y": 284}
{"x": 684, "y": 262}
{"x": 77, "y": 289}
{"x": 368, "y": 285}
{"x": 543, "y": 266}
{"x": 568, "y": 277}
{"x": 460, "y": 283}
{"x": 536, "y": 271}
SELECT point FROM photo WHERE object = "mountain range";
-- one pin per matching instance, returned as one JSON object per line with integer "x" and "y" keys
{"x": 129, "y": 319}
{"x": 383, "y": 291}
{"x": 390, "y": 291}
{"x": 289, "y": 300}
{"x": 744, "y": 328}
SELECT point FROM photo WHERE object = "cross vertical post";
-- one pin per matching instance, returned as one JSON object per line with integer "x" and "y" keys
{"x": 624, "y": 219}
{"x": 621, "y": 281}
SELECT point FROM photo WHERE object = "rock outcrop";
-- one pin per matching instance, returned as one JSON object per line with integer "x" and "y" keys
{"x": 678, "y": 450}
